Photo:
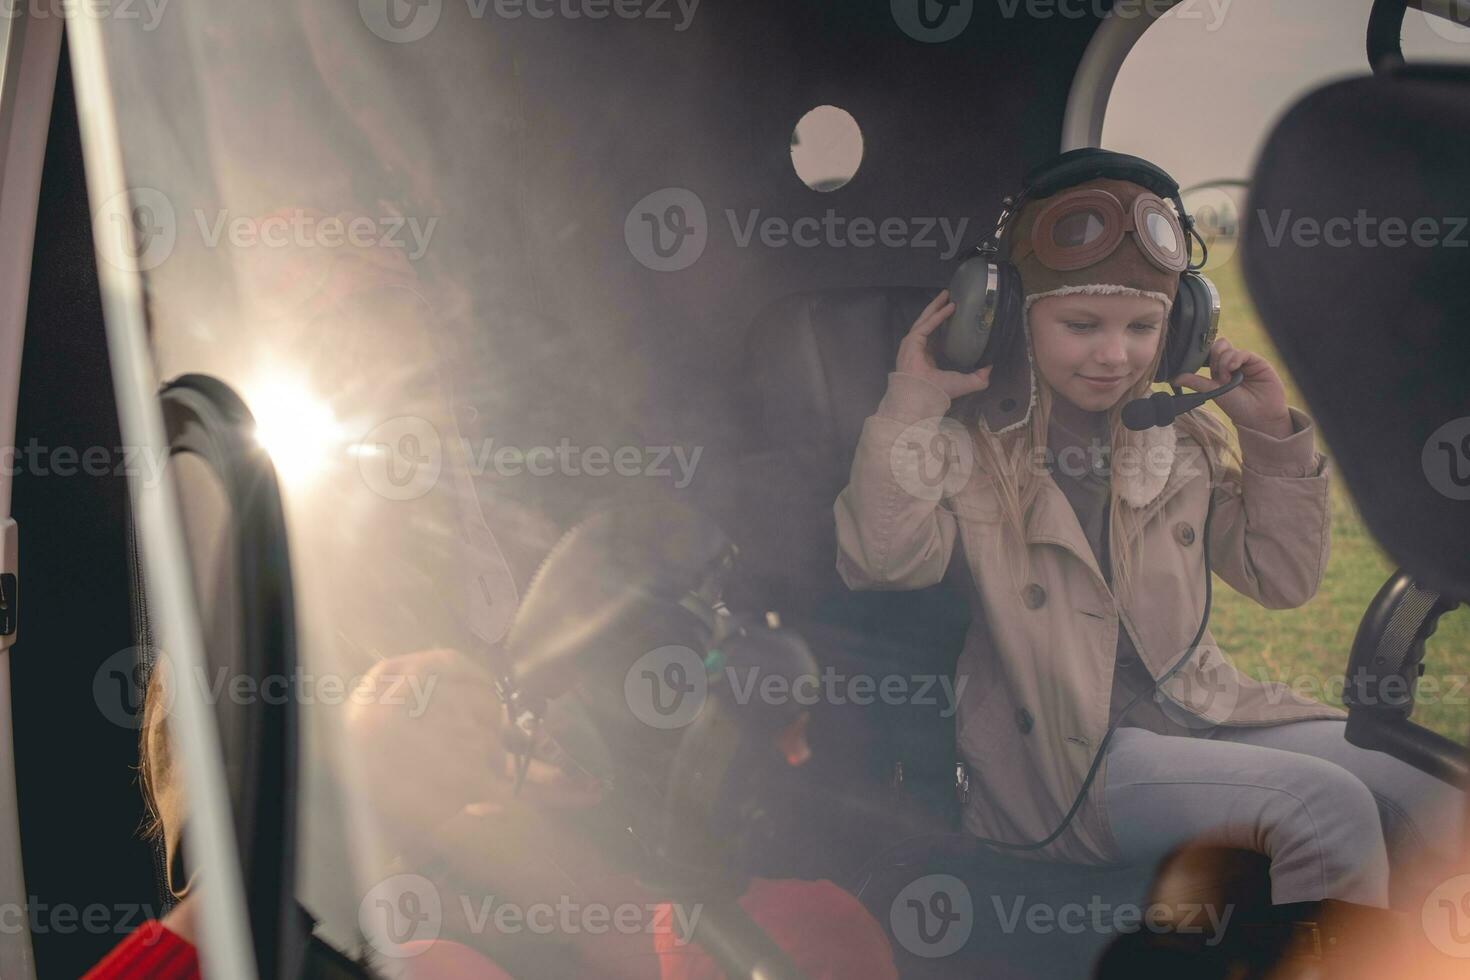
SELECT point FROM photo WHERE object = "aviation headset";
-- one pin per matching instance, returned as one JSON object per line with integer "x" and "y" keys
{"x": 989, "y": 298}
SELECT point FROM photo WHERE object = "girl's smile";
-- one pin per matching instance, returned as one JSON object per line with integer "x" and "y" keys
{"x": 1091, "y": 349}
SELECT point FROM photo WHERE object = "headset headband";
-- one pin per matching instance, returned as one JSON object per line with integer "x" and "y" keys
{"x": 1088, "y": 163}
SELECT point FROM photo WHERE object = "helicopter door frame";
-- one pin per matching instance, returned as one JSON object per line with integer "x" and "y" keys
{"x": 225, "y": 948}
{"x": 1092, "y": 84}
{"x": 30, "y": 50}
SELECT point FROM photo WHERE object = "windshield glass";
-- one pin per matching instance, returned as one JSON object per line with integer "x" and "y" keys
{"x": 347, "y": 220}
{"x": 490, "y": 274}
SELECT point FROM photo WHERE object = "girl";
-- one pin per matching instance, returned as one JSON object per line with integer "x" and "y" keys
{"x": 1085, "y": 539}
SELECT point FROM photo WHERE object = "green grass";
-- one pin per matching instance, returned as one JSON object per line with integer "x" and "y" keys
{"x": 1310, "y": 644}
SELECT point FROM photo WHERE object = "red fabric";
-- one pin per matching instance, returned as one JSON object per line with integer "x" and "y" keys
{"x": 151, "y": 952}
{"x": 826, "y": 932}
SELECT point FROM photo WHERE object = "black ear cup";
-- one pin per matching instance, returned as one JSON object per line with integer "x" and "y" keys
{"x": 1010, "y": 322}
{"x": 963, "y": 338}
{"x": 1194, "y": 321}
{"x": 987, "y": 316}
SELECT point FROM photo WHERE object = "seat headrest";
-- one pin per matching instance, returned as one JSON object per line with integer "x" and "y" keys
{"x": 816, "y": 366}
{"x": 1357, "y": 254}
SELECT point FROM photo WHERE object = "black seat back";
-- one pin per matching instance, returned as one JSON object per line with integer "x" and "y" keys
{"x": 816, "y": 366}
{"x": 1357, "y": 254}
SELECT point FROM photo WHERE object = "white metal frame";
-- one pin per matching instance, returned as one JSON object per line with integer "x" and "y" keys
{"x": 29, "y": 51}
{"x": 1087, "y": 101}
{"x": 225, "y": 949}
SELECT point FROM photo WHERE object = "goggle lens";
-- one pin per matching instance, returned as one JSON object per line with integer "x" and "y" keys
{"x": 1078, "y": 228}
{"x": 1162, "y": 232}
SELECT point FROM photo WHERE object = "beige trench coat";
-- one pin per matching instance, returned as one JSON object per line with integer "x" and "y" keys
{"x": 1034, "y": 707}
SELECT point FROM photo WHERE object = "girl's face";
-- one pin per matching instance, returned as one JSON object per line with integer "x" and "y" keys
{"x": 1092, "y": 349}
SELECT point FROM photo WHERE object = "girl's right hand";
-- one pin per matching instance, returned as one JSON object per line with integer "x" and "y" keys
{"x": 915, "y": 357}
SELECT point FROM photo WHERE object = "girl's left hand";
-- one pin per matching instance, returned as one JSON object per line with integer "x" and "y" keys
{"x": 1258, "y": 403}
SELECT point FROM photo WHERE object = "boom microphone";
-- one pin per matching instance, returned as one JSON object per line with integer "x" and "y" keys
{"x": 1160, "y": 408}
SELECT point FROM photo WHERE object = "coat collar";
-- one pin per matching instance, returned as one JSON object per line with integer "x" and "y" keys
{"x": 1147, "y": 480}
{"x": 1007, "y": 403}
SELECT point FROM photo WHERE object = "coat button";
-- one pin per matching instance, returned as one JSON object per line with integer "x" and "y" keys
{"x": 1035, "y": 596}
{"x": 1023, "y": 720}
{"x": 1184, "y": 533}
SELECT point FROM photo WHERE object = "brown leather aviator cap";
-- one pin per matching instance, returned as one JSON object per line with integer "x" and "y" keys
{"x": 1102, "y": 232}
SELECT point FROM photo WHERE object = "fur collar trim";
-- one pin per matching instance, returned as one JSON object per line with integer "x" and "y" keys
{"x": 1101, "y": 289}
{"x": 1143, "y": 470}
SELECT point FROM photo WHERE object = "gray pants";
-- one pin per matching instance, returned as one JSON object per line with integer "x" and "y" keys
{"x": 1334, "y": 819}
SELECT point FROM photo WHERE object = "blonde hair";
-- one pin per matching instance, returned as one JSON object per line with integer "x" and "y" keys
{"x": 162, "y": 794}
{"x": 1006, "y": 458}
